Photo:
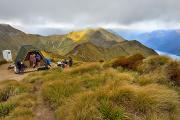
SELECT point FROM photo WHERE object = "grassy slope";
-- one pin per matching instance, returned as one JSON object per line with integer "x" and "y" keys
{"x": 98, "y": 91}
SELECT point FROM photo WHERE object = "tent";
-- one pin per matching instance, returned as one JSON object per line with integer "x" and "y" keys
{"x": 24, "y": 55}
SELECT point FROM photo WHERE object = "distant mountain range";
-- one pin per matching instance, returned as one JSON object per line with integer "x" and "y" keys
{"x": 175, "y": 57}
{"x": 163, "y": 40}
{"x": 87, "y": 45}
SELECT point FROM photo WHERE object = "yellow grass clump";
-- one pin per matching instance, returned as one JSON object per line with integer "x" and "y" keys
{"x": 122, "y": 103}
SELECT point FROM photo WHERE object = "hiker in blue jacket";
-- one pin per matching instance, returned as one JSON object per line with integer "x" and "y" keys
{"x": 38, "y": 60}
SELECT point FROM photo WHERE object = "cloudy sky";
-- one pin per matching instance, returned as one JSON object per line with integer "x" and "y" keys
{"x": 48, "y": 16}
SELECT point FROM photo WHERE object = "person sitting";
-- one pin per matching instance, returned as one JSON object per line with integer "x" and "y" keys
{"x": 70, "y": 62}
{"x": 48, "y": 62}
{"x": 65, "y": 63}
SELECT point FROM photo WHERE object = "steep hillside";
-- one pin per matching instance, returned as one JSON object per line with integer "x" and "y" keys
{"x": 11, "y": 38}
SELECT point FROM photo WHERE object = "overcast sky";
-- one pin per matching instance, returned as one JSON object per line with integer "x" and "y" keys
{"x": 38, "y": 16}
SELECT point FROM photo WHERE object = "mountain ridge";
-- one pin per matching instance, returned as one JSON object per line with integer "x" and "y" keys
{"x": 105, "y": 44}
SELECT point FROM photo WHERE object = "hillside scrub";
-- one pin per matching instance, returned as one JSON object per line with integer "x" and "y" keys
{"x": 112, "y": 94}
{"x": 173, "y": 72}
{"x": 152, "y": 63}
{"x": 11, "y": 88}
{"x": 17, "y": 101}
{"x": 129, "y": 62}
{"x": 99, "y": 91}
{"x": 121, "y": 103}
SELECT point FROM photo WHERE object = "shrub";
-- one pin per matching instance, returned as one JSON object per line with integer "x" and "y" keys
{"x": 173, "y": 72}
{"x": 5, "y": 108}
{"x": 129, "y": 62}
{"x": 101, "y": 61}
{"x": 153, "y": 62}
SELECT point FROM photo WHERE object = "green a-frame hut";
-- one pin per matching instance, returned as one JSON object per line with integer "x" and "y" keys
{"x": 24, "y": 55}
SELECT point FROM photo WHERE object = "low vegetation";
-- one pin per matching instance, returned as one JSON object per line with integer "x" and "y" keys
{"x": 125, "y": 88}
{"x": 3, "y": 62}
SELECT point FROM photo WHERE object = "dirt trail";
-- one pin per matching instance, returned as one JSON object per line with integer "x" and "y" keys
{"x": 6, "y": 74}
{"x": 43, "y": 111}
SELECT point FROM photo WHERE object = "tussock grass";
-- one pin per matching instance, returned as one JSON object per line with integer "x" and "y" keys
{"x": 129, "y": 62}
{"x": 153, "y": 62}
{"x": 21, "y": 107}
{"x": 3, "y": 62}
{"x": 141, "y": 90}
{"x": 82, "y": 107}
{"x": 121, "y": 103}
{"x": 143, "y": 101}
{"x": 56, "y": 92}
{"x": 173, "y": 72}
{"x": 5, "y": 108}
{"x": 15, "y": 97}
{"x": 11, "y": 88}
{"x": 21, "y": 113}
{"x": 84, "y": 68}
{"x": 157, "y": 76}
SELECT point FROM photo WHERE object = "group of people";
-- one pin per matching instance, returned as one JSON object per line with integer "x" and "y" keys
{"x": 34, "y": 60}
{"x": 65, "y": 63}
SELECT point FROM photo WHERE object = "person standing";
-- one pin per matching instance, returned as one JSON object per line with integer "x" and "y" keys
{"x": 31, "y": 60}
{"x": 34, "y": 60}
{"x": 18, "y": 64}
{"x": 38, "y": 59}
{"x": 70, "y": 62}
{"x": 22, "y": 67}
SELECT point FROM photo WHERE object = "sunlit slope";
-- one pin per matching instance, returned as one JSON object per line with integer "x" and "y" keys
{"x": 99, "y": 37}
